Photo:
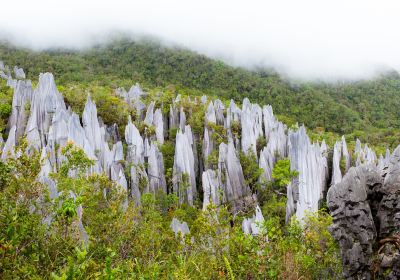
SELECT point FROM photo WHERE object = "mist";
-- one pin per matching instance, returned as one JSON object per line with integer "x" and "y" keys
{"x": 303, "y": 39}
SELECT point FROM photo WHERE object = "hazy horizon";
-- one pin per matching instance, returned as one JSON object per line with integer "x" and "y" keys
{"x": 306, "y": 39}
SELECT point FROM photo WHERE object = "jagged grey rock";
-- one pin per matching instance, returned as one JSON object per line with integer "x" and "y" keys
{"x": 4, "y": 76}
{"x": 135, "y": 156}
{"x": 353, "y": 224}
{"x": 149, "y": 114}
{"x": 219, "y": 112}
{"x": 179, "y": 228}
{"x": 208, "y": 143}
{"x": 211, "y": 189}
{"x": 182, "y": 119}
{"x": 156, "y": 171}
{"x": 345, "y": 154}
{"x": 184, "y": 180}
{"x": 173, "y": 117}
{"x": 364, "y": 156}
{"x": 46, "y": 100}
{"x": 307, "y": 189}
{"x": 230, "y": 174}
{"x": 21, "y": 106}
{"x": 251, "y": 121}
{"x": 233, "y": 114}
{"x": 19, "y": 73}
{"x": 9, "y": 146}
{"x": 12, "y": 83}
{"x": 336, "y": 172}
{"x": 253, "y": 225}
{"x": 44, "y": 173}
{"x": 159, "y": 126}
{"x": 389, "y": 207}
{"x": 276, "y": 146}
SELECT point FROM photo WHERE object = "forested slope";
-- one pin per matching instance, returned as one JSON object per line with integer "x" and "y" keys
{"x": 367, "y": 109}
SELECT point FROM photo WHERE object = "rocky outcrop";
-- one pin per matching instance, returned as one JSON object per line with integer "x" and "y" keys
{"x": 341, "y": 161}
{"x": 46, "y": 101}
{"x": 211, "y": 189}
{"x": 389, "y": 207}
{"x": 305, "y": 192}
{"x": 179, "y": 228}
{"x": 353, "y": 223}
{"x": 275, "y": 133}
{"x": 158, "y": 123}
{"x": 254, "y": 225}
{"x": 364, "y": 155}
{"x": 135, "y": 157}
{"x": 21, "y": 107}
{"x": 8, "y": 149}
{"x": 230, "y": 175}
{"x": 156, "y": 171}
{"x": 252, "y": 128}
{"x": 184, "y": 179}
{"x": 365, "y": 207}
{"x": 19, "y": 73}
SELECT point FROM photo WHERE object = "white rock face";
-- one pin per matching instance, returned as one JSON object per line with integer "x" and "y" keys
{"x": 184, "y": 179}
{"x": 156, "y": 171}
{"x": 306, "y": 190}
{"x": 44, "y": 173}
{"x": 211, "y": 189}
{"x": 173, "y": 117}
{"x": 340, "y": 153}
{"x": 12, "y": 83}
{"x": 158, "y": 123}
{"x": 230, "y": 174}
{"x": 336, "y": 172}
{"x": 20, "y": 106}
{"x": 19, "y": 73}
{"x": 208, "y": 143}
{"x": 46, "y": 100}
{"x": 276, "y": 145}
{"x": 210, "y": 114}
{"x": 251, "y": 120}
{"x": 345, "y": 154}
{"x": 179, "y": 228}
{"x": 364, "y": 156}
{"x": 149, "y": 114}
{"x": 94, "y": 133}
{"x": 3, "y": 75}
{"x": 233, "y": 114}
{"x": 8, "y": 150}
{"x": 219, "y": 112}
{"x": 253, "y": 225}
{"x": 182, "y": 119}
{"x": 135, "y": 156}
{"x": 132, "y": 97}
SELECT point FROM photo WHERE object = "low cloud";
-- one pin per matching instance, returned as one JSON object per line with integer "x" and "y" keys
{"x": 303, "y": 39}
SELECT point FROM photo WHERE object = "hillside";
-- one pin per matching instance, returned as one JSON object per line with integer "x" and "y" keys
{"x": 365, "y": 109}
{"x": 100, "y": 182}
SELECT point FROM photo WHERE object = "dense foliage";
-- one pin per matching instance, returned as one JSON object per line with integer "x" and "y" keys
{"x": 364, "y": 109}
{"x": 40, "y": 237}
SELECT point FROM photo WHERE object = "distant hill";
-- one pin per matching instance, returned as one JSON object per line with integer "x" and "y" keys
{"x": 366, "y": 109}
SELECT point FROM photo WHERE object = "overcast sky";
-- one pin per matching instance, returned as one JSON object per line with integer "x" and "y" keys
{"x": 306, "y": 39}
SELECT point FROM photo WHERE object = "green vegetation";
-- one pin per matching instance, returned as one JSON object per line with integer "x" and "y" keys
{"x": 5, "y": 103}
{"x": 364, "y": 109}
{"x": 282, "y": 174}
{"x": 251, "y": 170}
{"x": 137, "y": 243}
